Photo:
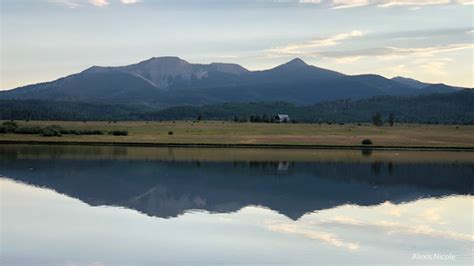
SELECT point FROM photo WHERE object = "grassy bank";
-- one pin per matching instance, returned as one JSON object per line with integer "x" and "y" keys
{"x": 207, "y": 132}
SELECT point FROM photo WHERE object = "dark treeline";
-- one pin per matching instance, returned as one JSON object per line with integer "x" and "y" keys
{"x": 68, "y": 110}
{"x": 12, "y": 127}
{"x": 447, "y": 108}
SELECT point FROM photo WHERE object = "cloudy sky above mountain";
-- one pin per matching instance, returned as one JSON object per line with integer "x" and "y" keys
{"x": 430, "y": 40}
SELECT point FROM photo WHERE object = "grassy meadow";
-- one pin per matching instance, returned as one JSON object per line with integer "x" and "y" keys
{"x": 218, "y": 132}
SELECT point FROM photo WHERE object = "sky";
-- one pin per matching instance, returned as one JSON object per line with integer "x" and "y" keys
{"x": 429, "y": 40}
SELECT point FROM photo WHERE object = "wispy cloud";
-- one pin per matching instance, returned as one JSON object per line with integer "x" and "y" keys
{"x": 396, "y": 51}
{"x": 305, "y": 231}
{"x": 465, "y": 2}
{"x": 311, "y": 1}
{"x": 412, "y": 3}
{"x": 68, "y": 3}
{"x": 304, "y": 47}
{"x": 129, "y": 2}
{"x": 325, "y": 47}
{"x": 97, "y": 3}
{"x": 391, "y": 227}
{"x": 342, "y": 4}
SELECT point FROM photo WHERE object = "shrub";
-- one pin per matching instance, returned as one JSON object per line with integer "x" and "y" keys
{"x": 170, "y": 132}
{"x": 28, "y": 130}
{"x": 10, "y": 124}
{"x": 81, "y": 132}
{"x": 119, "y": 133}
{"x": 8, "y": 127}
{"x": 55, "y": 126}
{"x": 92, "y": 132}
{"x": 366, "y": 142}
{"x": 50, "y": 131}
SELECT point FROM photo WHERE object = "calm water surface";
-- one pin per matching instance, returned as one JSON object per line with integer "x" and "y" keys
{"x": 150, "y": 206}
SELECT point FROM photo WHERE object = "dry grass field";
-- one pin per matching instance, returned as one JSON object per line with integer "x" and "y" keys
{"x": 203, "y": 132}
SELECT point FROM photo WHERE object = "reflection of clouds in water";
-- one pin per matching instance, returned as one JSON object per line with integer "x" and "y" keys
{"x": 387, "y": 222}
{"x": 415, "y": 218}
{"x": 392, "y": 228}
{"x": 393, "y": 210}
{"x": 433, "y": 215}
{"x": 302, "y": 230}
{"x": 225, "y": 220}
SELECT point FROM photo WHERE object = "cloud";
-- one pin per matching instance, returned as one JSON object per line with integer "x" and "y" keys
{"x": 374, "y": 43}
{"x": 99, "y": 3}
{"x": 342, "y": 4}
{"x": 391, "y": 227}
{"x": 302, "y": 230}
{"x": 339, "y": 4}
{"x": 397, "y": 70}
{"x": 432, "y": 215}
{"x": 311, "y": 1}
{"x": 436, "y": 68}
{"x": 129, "y": 2}
{"x": 465, "y": 2}
{"x": 68, "y": 3}
{"x": 302, "y": 48}
{"x": 395, "y": 51}
{"x": 416, "y": 3}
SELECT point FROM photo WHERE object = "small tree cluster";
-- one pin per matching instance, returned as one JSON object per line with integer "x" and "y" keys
{"x": 262, "y": 118}
{"x": 377, "y": 120}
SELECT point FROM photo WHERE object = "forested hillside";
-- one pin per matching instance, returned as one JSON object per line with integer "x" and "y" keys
{"x": 446, "y": 108}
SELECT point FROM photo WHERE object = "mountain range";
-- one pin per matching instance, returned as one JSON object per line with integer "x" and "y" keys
{"x": 171, "y": 81}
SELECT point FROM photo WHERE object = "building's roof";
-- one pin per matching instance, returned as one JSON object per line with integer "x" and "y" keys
{"x": 282, "y": 117}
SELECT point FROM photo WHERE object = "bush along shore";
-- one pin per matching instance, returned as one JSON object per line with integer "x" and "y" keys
{"x": 53, "y": 130}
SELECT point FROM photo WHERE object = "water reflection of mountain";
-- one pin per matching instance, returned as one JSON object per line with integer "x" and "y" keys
{"x": 169, "y": 188}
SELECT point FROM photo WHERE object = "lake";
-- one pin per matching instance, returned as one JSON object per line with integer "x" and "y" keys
{"x": 72, "y": 205}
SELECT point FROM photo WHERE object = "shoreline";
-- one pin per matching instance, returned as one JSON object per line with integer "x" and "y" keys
{"x": 240, "y": 145}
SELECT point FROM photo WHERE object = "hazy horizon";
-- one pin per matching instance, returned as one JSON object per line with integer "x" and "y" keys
{"x": 48, "y": 39}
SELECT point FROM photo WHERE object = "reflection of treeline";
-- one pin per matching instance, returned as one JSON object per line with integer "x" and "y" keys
{"x": 273, "y": 165}
{"x": 446, "y": 176}
{"x": 52, "y": 130}
{"x": 443, "y": 108}
{"x": 262, "y": 165}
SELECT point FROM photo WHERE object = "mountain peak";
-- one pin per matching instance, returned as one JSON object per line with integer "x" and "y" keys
{"x": 165, "y": 60}
{"x": 296, "y": 62}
